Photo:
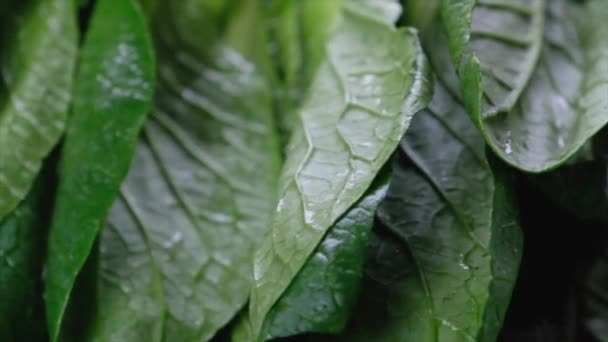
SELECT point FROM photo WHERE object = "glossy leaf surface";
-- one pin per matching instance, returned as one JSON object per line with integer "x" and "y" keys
{"x": 176, "y": 252}
{"x": 322, "y": 295}
{"x": 113, "y": 95}
{"x": 535, "y": 108}
{"x": 444, "y": 266}
{"x": 565, "y": 101}
{"x": 495, "y": 46}
{"x": 37, "y": 55}
{"x": 368, "y": 87}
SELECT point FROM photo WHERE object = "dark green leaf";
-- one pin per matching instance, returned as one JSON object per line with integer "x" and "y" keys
{"x": 21, "y": 261}
{"x": 446, "y": 269}
{"x": 37, "y": 54}
{"x": 176, "y": 252}
{"x": 324, "y": 292}
{"x": 370, "y": 83}
{"x": 113, "y": 97}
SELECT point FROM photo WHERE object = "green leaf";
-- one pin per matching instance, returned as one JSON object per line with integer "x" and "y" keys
{"x": 175, "y": 256}
{"x": 370, "y": 83}
{"x": 298, "y": 32}
{"x": 445, "y": 268}
{"x": 113, "y": 96}
{"x": 37, "y": 54}
{"x": 322, "y": 295}
{"x": 565, "y": 101}
{"x": 534, "y": 115}
{"x": 495, "y": 45}
{"x": 21, "y": 261}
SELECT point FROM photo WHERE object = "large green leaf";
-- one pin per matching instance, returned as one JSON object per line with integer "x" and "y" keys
{"x": 445, "y": 268}
{"x": 113, "y": 96}
{"x": 176, "y": 253}
{"x": 565, "y": 101}
{"x": 21, "y": 261}
{"x": 322, "y": 295}
{"x": 370, "y": 83}
{"x": 534, "y": 115}
{"x": 37, "y": 54}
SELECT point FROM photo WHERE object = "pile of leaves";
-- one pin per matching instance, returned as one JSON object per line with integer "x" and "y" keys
{"x": 341, "y": 170}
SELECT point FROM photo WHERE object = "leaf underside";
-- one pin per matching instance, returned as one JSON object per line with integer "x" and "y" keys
{"x": 531, "y": 75}
{"x": 175, "y": 254}
{"x": 565, "y": 102}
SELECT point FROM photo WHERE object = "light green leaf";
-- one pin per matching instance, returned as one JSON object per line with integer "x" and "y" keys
{"x": 370, "y": 83}
{"x": 176, "y": 253}
{"x": 113, "y": 96}
{"x": 445, "y": 268}
{"x": 298, "y": 32}
{"x": 37, "y": 54}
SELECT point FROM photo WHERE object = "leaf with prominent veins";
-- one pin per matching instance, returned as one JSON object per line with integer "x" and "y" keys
{"x": 495, "y": 46}
{"x": 37, "y": 54}
{"x": 566, "y": 100}
{"x": 536, "y": 114}
{"x": 445, "y": 269}
{"x": 323, "y": 294}
{"x": 176, "y": 253}
{"x": 370, "y": 83}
